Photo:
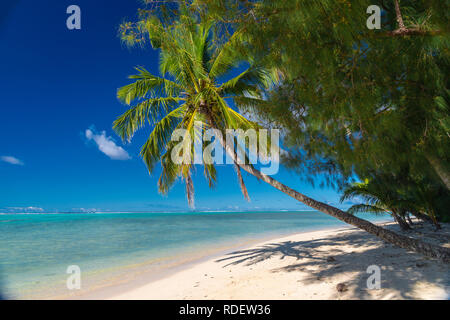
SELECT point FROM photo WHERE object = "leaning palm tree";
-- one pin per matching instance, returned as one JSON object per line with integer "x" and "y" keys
{"x": 378, "y": 199}
{"x": 190, "y": 90}
{"x": 385, "y": 193}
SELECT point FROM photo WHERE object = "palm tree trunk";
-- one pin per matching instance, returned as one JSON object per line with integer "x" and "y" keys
{"x": 425, "y": 218}
{"x": 421, "y": 216}
{"x": 401, "y": 24}
{"x": 440, "y": 169}
{"x": 408, "y": 217}
{"x": 408, "y": 243}
{"x": 400, "y": 220}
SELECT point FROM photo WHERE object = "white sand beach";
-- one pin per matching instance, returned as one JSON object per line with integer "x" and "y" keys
{"x": 309, "y": 266}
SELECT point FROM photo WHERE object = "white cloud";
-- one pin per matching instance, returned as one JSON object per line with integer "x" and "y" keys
{"x": 11, "y": 160}
{"x": 107, "y": 145}
{"x": 25, "y": 209}
{"x": 85, "y": 210}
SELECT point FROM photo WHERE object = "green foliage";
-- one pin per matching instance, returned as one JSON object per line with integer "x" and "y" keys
{"x": 188, "y": 91}
{"x": 352, "y": 101}
{"x": 356, "y": 101}
{"x": 398, "y": 195}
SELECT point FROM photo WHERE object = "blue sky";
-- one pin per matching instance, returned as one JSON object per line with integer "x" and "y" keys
{"x": 56, "y": 84}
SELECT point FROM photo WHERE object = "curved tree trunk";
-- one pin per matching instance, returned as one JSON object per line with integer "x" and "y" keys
{"x": 402, "y": 223}
{"x": 399, "y": 240}
{"x": 425, "y": 218}
{"x": 408, "y": 243}
{"x": 421, "y": 216}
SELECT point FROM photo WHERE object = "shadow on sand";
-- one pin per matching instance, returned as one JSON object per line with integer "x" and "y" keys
{"x": 324, "y": 259}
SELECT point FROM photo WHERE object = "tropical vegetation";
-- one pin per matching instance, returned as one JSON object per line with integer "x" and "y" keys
{"x": 351, "y": 101}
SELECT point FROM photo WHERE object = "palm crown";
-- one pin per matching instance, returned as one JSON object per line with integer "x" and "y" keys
{"x": 187, "y": 92}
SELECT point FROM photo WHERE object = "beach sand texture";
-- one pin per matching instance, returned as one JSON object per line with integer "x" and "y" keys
{"x": 309, "y": 266}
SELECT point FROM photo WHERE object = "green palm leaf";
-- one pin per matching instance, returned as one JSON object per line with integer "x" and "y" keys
{"x": 145, "y": 84}
{"x": 160, "y": 136}
{"x": 357, "y": 208}
{"x": 190, "y": 64}
{"x": 148, "y": 110}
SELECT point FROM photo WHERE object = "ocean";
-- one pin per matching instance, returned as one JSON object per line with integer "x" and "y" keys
{"x": 37, "y": 249}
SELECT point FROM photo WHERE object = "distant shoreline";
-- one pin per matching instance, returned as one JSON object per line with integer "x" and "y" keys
{"x": 149, "y": 212}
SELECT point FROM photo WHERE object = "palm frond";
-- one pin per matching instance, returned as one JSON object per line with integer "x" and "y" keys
{"x": 210, "y": 174}
{"x": 146, "y": 85}
{"x": 241, "y": 182}
{"x": 227, "y": 56}
{"x": 251, "y": 82}
{"x": 159, "y": 137}
{"x": 170, "y": 170}
{"x": 149, "y": 110}
{"x": 190, "y": 64}
{"x": 358, "y": 208}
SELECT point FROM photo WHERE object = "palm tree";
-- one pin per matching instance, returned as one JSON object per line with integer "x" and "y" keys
{"x": 189, "y": 91}
{"x": 397, "y": 196}
{"x": 426, "y": 200}
{"x": 378, "y": 198}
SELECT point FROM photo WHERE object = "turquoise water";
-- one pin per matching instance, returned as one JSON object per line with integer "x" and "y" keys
{"x": 35, "y": 250}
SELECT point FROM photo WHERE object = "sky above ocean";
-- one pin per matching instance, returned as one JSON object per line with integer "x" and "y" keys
{"x": 58, "y": 151}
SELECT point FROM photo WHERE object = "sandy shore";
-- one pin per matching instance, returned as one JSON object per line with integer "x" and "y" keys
{"x": 308, "y": 266}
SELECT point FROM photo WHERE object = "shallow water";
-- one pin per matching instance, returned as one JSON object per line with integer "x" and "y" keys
{"x": 36, "y": 250}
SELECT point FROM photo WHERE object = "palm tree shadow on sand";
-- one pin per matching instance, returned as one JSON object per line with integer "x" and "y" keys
{"x": 323, "y": 259}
